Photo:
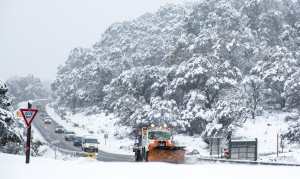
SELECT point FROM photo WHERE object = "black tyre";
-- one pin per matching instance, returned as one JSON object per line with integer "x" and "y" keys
{"x": 138, "y": 156}
{"x": 146, "y": 156}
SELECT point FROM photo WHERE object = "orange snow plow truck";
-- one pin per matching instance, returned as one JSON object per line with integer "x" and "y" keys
{"x": 155, "y": 144}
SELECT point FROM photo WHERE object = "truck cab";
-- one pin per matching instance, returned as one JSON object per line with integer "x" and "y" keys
{"x": 155, "y": 144}
{"x": 90, "y": 144}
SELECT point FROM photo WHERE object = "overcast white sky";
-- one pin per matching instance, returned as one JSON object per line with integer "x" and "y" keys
{"x": 37, "y": 35}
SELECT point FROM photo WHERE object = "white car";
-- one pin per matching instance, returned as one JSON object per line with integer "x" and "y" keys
{"x": 47, "y": 121}
{"x": 90, "y": 144}
{"x": 59, "y": 130}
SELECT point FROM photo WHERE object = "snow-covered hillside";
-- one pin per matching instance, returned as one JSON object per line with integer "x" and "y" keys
{"x": 266, "y": 128}
{"x": 14, "y": 167}
{"x": 209, "y": 64}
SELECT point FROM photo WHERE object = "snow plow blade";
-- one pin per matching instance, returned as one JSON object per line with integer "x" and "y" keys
{"x": 167, "y": 154}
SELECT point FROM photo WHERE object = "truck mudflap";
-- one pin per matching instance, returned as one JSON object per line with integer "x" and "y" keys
{"x": 173, "y": 154}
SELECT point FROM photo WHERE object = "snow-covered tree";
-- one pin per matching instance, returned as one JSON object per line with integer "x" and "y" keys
{"x": 159, "y": 112}
{"x": 226, "y": 116}
{"x": 292, "y": 90}
{"x": 8, "y": 135}
{"x": 135, "y": 86}
{"x": 253, "y": 91}
{"x": 81, "y": 80}
{"x": 293, "y": 133}
{"x": 26, "y": 88}
{"x": 277, "y": 65}
{"x": 210, "y": 75}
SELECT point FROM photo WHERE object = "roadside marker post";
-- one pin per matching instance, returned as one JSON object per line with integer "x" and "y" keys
{"x": 56, "y": 145}
{"x": 28, "y": 116}
{"x": 105, "y": 137}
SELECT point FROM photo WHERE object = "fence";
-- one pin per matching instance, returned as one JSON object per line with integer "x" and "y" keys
{"x": 216, "y": 146}
{"x": 243, "y": 150}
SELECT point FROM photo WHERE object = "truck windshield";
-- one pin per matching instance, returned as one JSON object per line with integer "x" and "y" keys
{"x": 90, "y": 141}
{"x": 159, "y": 135}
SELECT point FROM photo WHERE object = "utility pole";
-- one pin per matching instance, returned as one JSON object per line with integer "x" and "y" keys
{"x": 56, "y": 145}
{"x": 105, "y": 137}
{"x": 282, "y": 145}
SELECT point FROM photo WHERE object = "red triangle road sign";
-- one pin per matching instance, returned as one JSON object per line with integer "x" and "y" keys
{"x": 28, "y": 115}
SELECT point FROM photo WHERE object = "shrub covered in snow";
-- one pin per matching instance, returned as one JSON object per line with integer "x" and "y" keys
{"x": 9, "y": 139}
{"x": 293, "y": 134}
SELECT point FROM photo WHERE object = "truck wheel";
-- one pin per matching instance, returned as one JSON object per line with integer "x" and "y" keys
{"x": 144, "y": 154}
{"x": 146, "y": 158}
{"x": 138, "y": 156}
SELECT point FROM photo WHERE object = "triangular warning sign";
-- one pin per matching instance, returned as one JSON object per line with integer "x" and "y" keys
{"x": 28, "y": 115}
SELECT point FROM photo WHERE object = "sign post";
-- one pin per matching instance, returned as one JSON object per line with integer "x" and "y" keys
{"x": 277, "y": 151}
{"x": 28, "y": 115}
{"x": 55, "y": 143}
{"x": 105, "y": 137}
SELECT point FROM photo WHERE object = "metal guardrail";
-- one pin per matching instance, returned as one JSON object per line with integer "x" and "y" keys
{"x": 246, "y": 162}
{"x": 68, "y": 152}
{"x": 72, "y": 153}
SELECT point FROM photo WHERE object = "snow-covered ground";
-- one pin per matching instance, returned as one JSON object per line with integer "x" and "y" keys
{"x": 87, "y": 168}
{"x": 192, "y": 143}
{"x": 265, "y": 128}
{"x": 46, "y": 150}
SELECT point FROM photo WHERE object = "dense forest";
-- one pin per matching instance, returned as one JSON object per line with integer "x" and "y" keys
{"x": 202, "y": 67}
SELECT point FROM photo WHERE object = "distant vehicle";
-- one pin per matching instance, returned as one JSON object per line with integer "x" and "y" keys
{"x": 75, "y": 125}
{"x": 59, "y": 129}
{"x": 44, "y": 115}
{"x": 47, "y": 121}
{"x": 77, "y": 141}
{"x": 89, "y": 144}
{"x": 69, "y": 135}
